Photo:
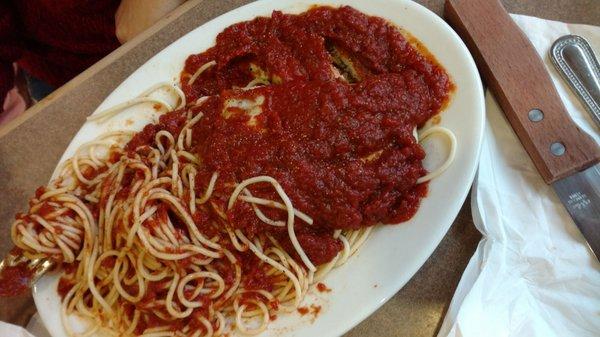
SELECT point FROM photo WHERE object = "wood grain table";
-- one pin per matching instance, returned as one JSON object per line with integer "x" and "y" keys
{"x": 31, "y": 145}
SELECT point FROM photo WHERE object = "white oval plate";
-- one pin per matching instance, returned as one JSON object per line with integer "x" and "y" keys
{"x": 392, "y": 254}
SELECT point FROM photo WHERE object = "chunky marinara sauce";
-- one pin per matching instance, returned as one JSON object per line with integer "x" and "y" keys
{"x": 342, "y": 147}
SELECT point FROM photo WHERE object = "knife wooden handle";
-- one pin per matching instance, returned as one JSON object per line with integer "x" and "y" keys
{"x": 514, "y": 72}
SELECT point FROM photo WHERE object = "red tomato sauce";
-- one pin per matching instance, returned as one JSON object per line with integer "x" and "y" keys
{"x": 342, "y": 149}
{"x": 14, "y": 281}
{"x": 322, "y": 288}
{"x": 295, "y": 47}
{"x": 64, "y": 286}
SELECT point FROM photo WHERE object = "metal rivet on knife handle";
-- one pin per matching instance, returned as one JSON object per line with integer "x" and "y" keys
{"x": 557, "y": 149}
{"x": 536, "y": 115}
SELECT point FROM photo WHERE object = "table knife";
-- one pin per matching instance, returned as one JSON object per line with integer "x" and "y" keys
{"x": 564, "y": 155}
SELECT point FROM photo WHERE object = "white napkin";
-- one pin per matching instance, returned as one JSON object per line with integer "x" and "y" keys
{"x": 532, "y": 274}
{"x": 11, "y": 330}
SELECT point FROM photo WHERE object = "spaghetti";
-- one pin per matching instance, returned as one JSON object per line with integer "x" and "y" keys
{"x": 263, "y": 179}
{"x": 134, "y": 269}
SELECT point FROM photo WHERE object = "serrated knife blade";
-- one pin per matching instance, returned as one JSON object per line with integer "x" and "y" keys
{"x": 580, "y": 194}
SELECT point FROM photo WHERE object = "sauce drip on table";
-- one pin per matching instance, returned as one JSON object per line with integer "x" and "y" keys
{"x": 14, "y": 280}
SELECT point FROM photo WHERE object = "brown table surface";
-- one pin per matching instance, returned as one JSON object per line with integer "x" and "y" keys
{"x": 31, "y": 146}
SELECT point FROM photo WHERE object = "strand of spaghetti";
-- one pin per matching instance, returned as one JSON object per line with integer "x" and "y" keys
{"x": 258, "y": 244}
{"x": 121, "y": 290}
{"x": 323, "y": 270}
{"x": 171, "y": 141}
{"x": 130, "y": 262}
{"x": 69, "y": 242}
{"x": 30, "y": 241}
{"x": 44, "y": 223}
{"x": 345, "y": 254}
{"x": 167, "y": 229}
{"x": 188, "y": 221}
{"x": 197, "y": 290}
{"x": 188, "y": 278}
{"x": 261, "y": 215}
{"x": 64, "y": 309}
{"x": 207, "y": 325}
{"x": 68, "y": 254}
{"x": 137, "y": 207}
{"x": 181, "y": 94}
{"x": 142, "y": 98}
{"x": 80, "y": 304}
{"x": 200, "y": 70}
{"x": 188, "y": 137}
{"x": 274, "y": 204}
{"x": 39, "y": 205}
{"x": 187, "y": 155}
{"x": 186, "y": 169}
{"x": 158, "y": 254}
{"x": 352, "y": 235}
{"x": 277, "y": 251}
{"x": 102, "y": 140}
{"x": 209, "y": 189}
{"x": 175, "y": 174}
{"x": 361, "y": 239}
{"x": 240, "y": 324}
{"x": 169, "y": 300}
{"x": 133, "y": 324}
{"x": 103, "y": 256}
{"x": 89, "y": 224}
{"x": 238, "y": 275}
{"x": 76, "y": 169}
{"x": 289, "y": 261}
{"x": 242, "y": 294}
{"x": 46, "y": 239}
{"x": 219, "y": 211}
{"x": 167, "y": 85}
{"x": 156, "y": 329}
{"x": 201, "y": 100}
{"x": 165, "y": 316}
{"x": 53, "y": 192}
{"x": 159, "y": 334}
{"x": 191, "y": 122}
{"x": 110, "y": 112}
{"x": 192, "y": 189}
{"x": 275, "y": 264}
{"x": 302, "y": 276}
{"x": 144, "y": 272}
{"x": 80, "y": 276}
{"x": 92, "y": 155}
{"x": 115, "y": 184}
{"x": 289, "y": 208}
{"x": 452, "y": 138}
{"x": 221, "y": 324}
{"x": 106, "y": 239}
{"x": 92, "y": 285}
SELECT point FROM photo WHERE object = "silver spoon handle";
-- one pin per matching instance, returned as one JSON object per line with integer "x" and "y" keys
{"x": 576, "y": 62}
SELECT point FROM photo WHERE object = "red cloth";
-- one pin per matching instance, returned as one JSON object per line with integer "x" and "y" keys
{"x": 54, "y": 40}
